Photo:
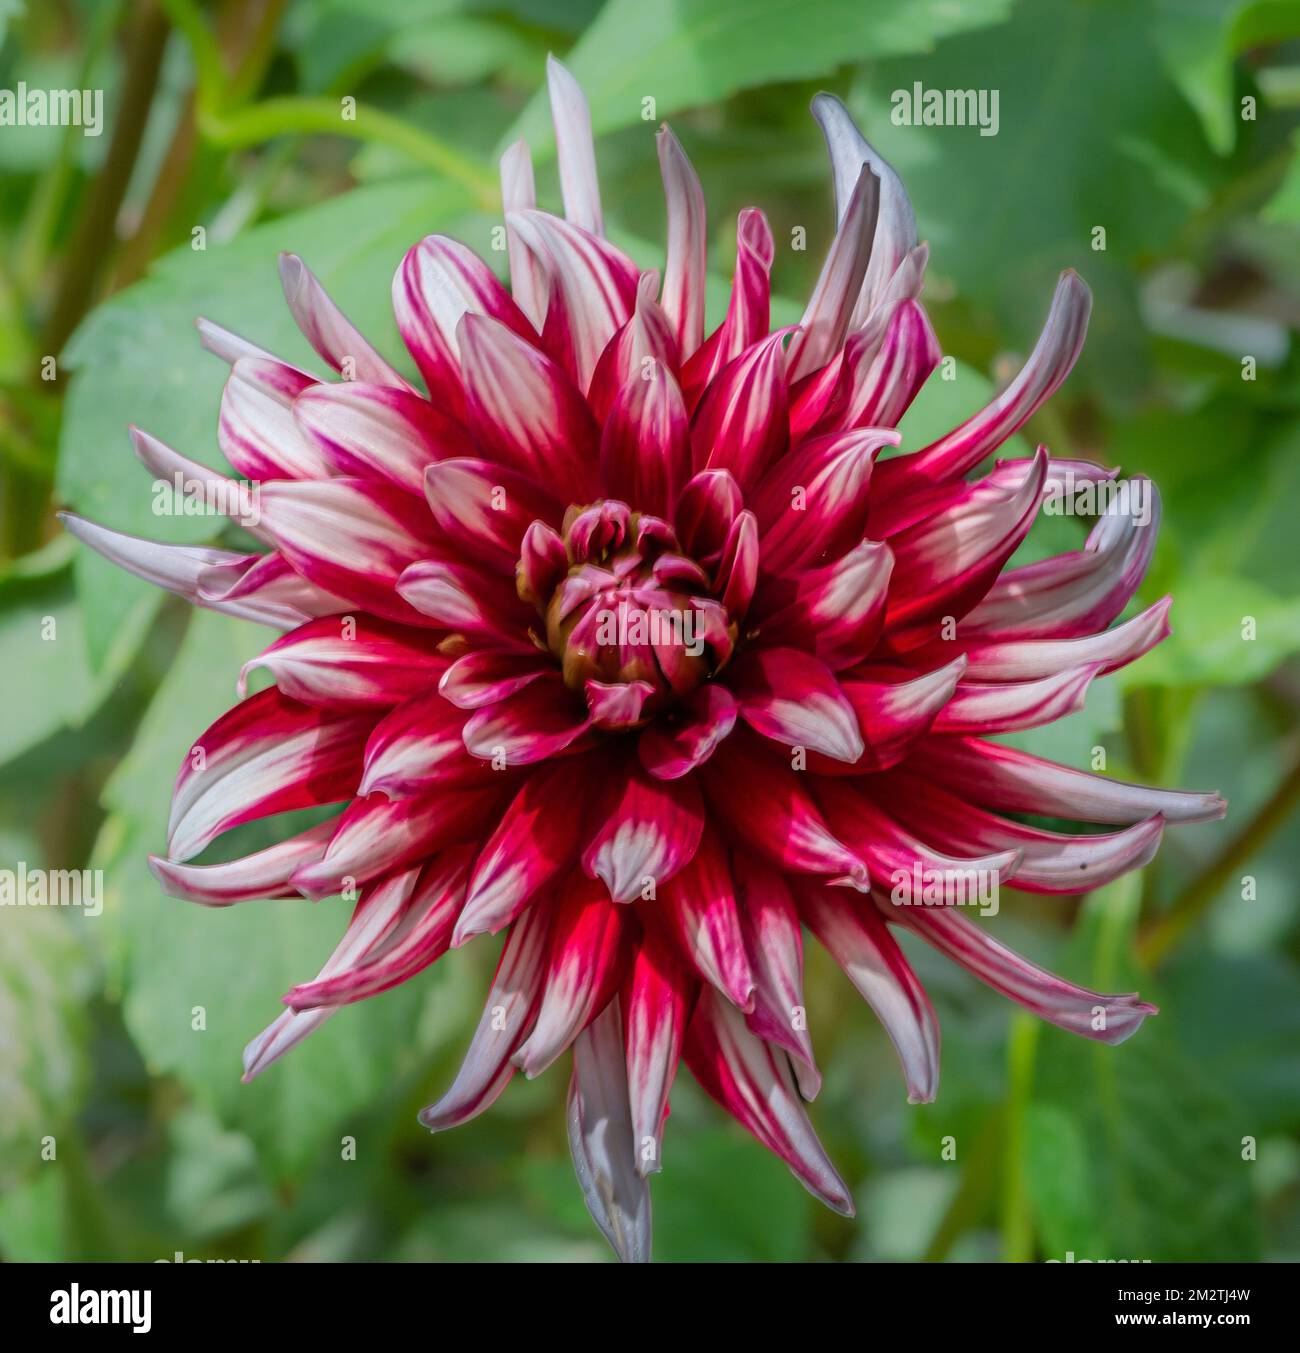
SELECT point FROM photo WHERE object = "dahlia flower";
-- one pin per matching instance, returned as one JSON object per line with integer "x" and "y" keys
{"x": 625, "y": 641}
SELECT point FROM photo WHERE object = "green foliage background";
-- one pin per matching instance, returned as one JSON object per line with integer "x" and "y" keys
{"x": 1170, "y": 124}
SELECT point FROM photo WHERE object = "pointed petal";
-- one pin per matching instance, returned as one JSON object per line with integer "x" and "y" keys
{"x": 265, "y": 873}
{"x": 656, "y": 1005}
{"x": 649, "y": 831}
{"x": 530, "y": 847}
{"x": 534, "y": 724}
{"x": 508, "y": 1015}
{"x": 528, "y": 280}
{"x": 1011, "y": 781}
{"x": 1108, "y": 1019}
{"x": 697, "y": 913}
{"x": 774, "y": 945}
{"x": 754, "y": 1083}
{"x": 791, "y": 697}
{"x": 683, "y": 294}
{"x": 526, "y": 412}
{"x": 575, "y": 149}
{"x": 340, "y": 661}
{"x": 377, "y": 835}
{"x": 775, "y": 815}
{"x": 268, "y": 754}
{"x": 589, "y": 956}
{"x": 600, "y": 1139}
{"x": 859, "y": 941}
{"x": 376, "y": 431}
{"x": 329, "y": 330}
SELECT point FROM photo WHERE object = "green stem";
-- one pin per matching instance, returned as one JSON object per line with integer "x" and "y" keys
{"x": 211, "y": 77}
{"x": 1195, "y": 900}
{"x": 1017, "y": 1219}
{"x": 289, "y": 115}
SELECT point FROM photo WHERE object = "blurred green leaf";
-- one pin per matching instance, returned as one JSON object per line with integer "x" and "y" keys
{"x": 172, "y": 958}
{"x": 685, "y": 53}
{"x": 137, "y": 359}
{"x": 45, "y": 978}
{"x": 1151, "y": 1133}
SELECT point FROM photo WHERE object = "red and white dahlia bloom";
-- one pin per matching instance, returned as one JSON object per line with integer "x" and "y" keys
{"x": 621, "y": 641}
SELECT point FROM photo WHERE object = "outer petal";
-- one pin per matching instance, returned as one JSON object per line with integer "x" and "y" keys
{"x": 596, "y": 281}
{"x": 1108, "y": 1019}
{"x": 437, "y": 283}
{"x": 351, "y": 537}
{"x": 266, "y": 873}
{"x": 600, "y": 1139}
{"x": 508, "y": 1015}
{"x": 1057, "y": 349}
{"x": 575, "y": 148}
{"x": 528, "y": 280}
{"x": 525, "y": 411}
{"x": 268, "y": 754}
{"x": 826, "y": 320}
{"x": 1016, "y": 782}
{"x": 896, "y": 224}
{"x": 1051, "y": 863}
{"x": 341, "y": 661}
{"x": 376, "y": 835}
{"x": 329, "y": 330}
{"x": 420, "y": 747}
{"x": 754, "y": 1083}
{"x": 697, "y": 912}
{"x": 774, "y": 944}
{"x": 859, "y": 941}
{"x": 420, "y": 937}
{"x": 683, "y": 294}
{"x": 377, "y": 431}
{"x": 590, "y": 952}
{"x": 256, "y": 430}
{"x": 656, "y": 1004}
{"x": 775, "y": 815}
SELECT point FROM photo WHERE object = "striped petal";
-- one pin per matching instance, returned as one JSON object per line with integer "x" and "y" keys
{"x": 589, "y": 955}
{"x": 854, "y": 935}
{"x": 1108, "y": 1019}
{"x": 791, "y": 697}
{"x": 656, "y": 1005}
{"x": 342, "y": 661}
{"x": 599, "y": 1117}
{"x": 649, "y": 831}
{"x": 754, "y": 1083}
{"x": 508, "y": 1015}
{"x": 265, "y": 873}
{"x": 531, "y": 846}
{"x": 268, "y": 754}
{"x": 684, "y": 270}
{"x": 329, "y": 330}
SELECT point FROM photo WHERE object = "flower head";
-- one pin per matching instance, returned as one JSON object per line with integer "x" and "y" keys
{"x": 630, "y": 643}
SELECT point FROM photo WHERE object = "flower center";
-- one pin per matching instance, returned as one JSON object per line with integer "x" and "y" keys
{"x": 632, "y": 610}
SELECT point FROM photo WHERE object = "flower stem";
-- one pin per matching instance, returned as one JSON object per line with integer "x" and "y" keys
{"x": 1167, "y": 930}
{"x": 284, "y": 116}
